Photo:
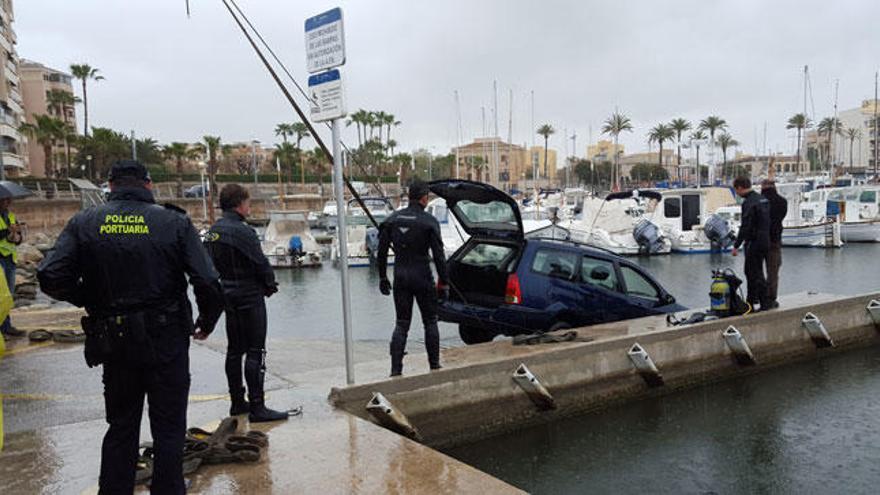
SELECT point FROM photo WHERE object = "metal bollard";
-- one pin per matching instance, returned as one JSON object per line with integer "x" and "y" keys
{"x": 533, "y": 388}
{"x": 389, "y": 417}
{"x": 874, "y": 310}
{"x": 645, "y": 365}
{"x": 738, "y": 345}
{"x": 817, "y": 331}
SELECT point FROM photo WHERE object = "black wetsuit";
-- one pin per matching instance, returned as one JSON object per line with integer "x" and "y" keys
{"x": 247, "y": 279}
{"x": 754, "y": 231}
{"x": 778, "y": 210}
{"x": 126, "y": 262}
{"x": 412, "y": 233}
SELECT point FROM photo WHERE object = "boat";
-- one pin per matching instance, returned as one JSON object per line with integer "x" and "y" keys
{"x": 856, "y": 208}
{"x": 687, "y": 218}
{"x": 288, "y": 242}
{"x": 620, "y": 223}
{"x": 327, "y": 219}
{"x": 451, "y": 232}
{"x": 804, "y": 226}
{"x": 362, "y": 235}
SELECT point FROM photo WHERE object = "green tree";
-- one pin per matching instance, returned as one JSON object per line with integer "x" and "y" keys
{"x": 178, "y": 152}
{"x": 829, "y": 126}
{"x": 659, "y": 134}
{"x": 104, "y": 146}
{"x": 648, "y": 172}
{"x": 613, "y": 126}
{"x": 360, "y": 119}
{"x": 214, "y": 145}
{"x": 712, "y": 124}
{"x": 852, "y": 134}
{"x": 46, "y": 131}
{"x": 284, "y": 130}
{"x": 61, "y": 103}
{"x": 698, "y": 136}
{"x": 85, "y": 73}
{"x": 390, "y": 121}
{"x": 680, "y": 126}
{"x": 800, "y": 122}
{"x": 301, "y": 131}
{"x": 148, "y": 151}
{"x": 726, "y": 141}
{"x": 546, "y": 131}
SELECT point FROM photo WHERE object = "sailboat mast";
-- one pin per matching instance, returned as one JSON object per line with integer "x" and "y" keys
{"x": 875, "y": 125}
{"x": 457, "y": 133}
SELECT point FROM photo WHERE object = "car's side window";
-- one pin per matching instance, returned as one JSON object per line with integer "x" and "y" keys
{"x": 637, "y": 285}
{"x": 553, "y": 263}
{"x": 672, "y": 207}
{"x": 599, "y": 273}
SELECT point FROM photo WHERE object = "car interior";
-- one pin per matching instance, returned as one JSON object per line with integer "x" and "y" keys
{"x": 479, "y": 272}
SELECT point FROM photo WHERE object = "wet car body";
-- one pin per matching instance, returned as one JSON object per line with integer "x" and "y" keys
{"x": 504, "y": 284}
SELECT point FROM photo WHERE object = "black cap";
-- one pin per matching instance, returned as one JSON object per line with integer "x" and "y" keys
{"x": 417, "y": 189}
{"x": 129, "y": 168}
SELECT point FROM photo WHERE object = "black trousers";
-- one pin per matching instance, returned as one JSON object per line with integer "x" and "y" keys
{"x": 774, "y": 261}
{"x": 425, "y": 295}
{"x": 755, "y": 279}
{"x": 166, "y": 386}
{"x": 246, "y": 337}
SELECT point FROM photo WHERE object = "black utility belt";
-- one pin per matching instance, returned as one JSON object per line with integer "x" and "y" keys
{"x": 124, "y": 338}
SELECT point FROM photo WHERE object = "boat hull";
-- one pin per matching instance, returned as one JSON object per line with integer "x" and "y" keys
{"x": 821, "y": 235}
{"x": 868, "y": 231}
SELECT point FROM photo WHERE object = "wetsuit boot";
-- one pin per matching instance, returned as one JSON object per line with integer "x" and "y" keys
{"x": 398, "y": 347}
{"x": 255, "y": 374}
{"x": 239, "y": 404}
{"x": 432, "y": 344}
{"x": 261, "y": 414}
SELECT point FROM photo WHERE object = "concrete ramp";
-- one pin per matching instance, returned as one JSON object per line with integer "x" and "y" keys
{"x": 477, "y": 394}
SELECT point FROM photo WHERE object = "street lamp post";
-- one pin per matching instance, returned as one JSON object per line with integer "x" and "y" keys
{"x": 89, "y": 166}
{"x": 204, "y": 192}
{"x": 254, "y": 144}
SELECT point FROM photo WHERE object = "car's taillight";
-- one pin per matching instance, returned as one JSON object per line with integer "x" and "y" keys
{"x": 513, "y": 293}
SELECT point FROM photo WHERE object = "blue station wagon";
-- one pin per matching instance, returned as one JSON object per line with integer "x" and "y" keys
{"x": 502, "y": 283}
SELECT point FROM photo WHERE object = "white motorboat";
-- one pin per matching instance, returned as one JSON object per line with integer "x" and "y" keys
{"x": 856, "y": 208}
{"x": 452, "y": 233}
{"x": 288, "y": 241}
{"x": 362, "y": 235}
{"x": 621, "y": 223}
{"x": 807, "y": 230}
{"x": 687, "y": 218}
{"x": 327, "y": 218}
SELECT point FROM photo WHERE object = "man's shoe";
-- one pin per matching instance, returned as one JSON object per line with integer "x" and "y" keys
{"x": 14, "y": 332}
{"x": 262, "y": 414}
{"x": 772, "y": 305}
{"x": 435, "y": 367}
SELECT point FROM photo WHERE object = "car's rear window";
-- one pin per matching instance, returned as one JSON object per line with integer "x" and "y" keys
{"x": 553, "y": 263}
{"x": 483, "y": 255}
{"x": 599, "y": 273}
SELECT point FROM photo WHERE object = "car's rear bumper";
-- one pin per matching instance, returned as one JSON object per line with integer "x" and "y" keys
{"x": 508, "y": 319}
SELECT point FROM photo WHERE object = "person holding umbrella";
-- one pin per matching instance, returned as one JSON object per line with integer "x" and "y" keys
{"x": 10, "y": 238}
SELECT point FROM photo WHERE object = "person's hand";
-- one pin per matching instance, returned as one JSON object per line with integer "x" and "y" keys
{"x": 271, "y": 290}
{"x": 200, "y": 335}
{"x": 385, "y": 287}
{"x": 734, "y": 252}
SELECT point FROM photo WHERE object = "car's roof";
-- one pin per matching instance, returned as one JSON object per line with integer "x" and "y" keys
{"x": 574, "y": 246}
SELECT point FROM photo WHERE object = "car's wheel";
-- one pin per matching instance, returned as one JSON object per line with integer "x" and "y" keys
{"x": 559, "y": 325}
{"x": 475, "y": 335}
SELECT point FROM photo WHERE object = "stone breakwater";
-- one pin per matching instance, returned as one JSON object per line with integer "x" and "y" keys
{"x": 30, "y": 254}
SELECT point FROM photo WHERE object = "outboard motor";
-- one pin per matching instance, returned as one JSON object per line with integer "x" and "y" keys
{"x": 648, "y": 236}
{"x": 295, "y": 246}
{"x": 718, "y": 231}
{"x": 372, "y": 242}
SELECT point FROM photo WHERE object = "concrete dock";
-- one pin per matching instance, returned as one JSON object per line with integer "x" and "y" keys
{"x": 335, "y": 447}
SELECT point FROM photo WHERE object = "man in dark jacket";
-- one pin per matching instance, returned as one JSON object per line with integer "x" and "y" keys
{"x": 412, "y": 232}
{"x": 778, "y": 210}
{"x": 126, "y": 262}
{"x": 754, "y": 231}
{"x": 247, "y": 280}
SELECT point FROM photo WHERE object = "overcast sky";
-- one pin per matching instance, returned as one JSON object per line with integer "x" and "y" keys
{"x": 174, "y": 78}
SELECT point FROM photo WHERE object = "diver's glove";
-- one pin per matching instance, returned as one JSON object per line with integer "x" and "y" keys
{"x": 385, "y": 287}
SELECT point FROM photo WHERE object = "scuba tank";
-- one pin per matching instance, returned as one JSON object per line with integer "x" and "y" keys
{"x": 719, "y": 294}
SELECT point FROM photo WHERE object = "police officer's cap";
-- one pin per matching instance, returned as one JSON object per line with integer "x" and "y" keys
{"x": 129, "y": 168}
{"x": 417, "y": 189}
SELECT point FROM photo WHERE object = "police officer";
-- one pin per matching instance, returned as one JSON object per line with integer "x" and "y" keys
{"x": 10, "y": 238}
{"x": 412, "y": 232}
{"x": 126, "y": 263}
{"x": 754, "y": 232}
{"x": 247, "y": 279}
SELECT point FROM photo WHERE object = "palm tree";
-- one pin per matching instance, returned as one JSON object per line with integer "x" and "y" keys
{"x": 852, "y": 134}
{"x": 711, "y": 124}
{"x": 177, "y": 152}
{"x": 46, "y": 131}
{"x": 284, "y": 130}
{"x": 829, "y": 126}
{"x": 84, "y": 72}
{"x": 659, "y": 134}
{"x": 359, "y": 118}
{"x": 214, "y": 145}
{"x": 301, "y": 131}
{"x": 725, "y": 140}
{"x": 800, "y": 122}
{"x": 546, "y": 130}
{"x": 698, "y": 136}
{"x": 613, "y": 126}
{"x": 286, "y": 154}
{"x": 61, "y": 102}
{"x": 390, "y": 121}
{"x": 679, "y": 126}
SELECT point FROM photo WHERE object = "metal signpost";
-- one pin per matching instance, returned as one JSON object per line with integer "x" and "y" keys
{"x": 325, "y": 49}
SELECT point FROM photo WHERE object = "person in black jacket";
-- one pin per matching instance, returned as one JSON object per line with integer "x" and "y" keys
{"x": 412, "y": 232}
{"x": 754, "y": 232}
{"x": 247, "y": 280}
{"x": 778, "y": 210}
{"x": 126, "y": 263}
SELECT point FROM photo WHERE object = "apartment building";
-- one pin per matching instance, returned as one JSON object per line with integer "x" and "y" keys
{"x": 12, "y": 144}
{"x": 38, "y": 84}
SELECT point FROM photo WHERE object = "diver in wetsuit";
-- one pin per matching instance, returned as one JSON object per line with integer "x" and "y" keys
{"x": 412, "y": 232}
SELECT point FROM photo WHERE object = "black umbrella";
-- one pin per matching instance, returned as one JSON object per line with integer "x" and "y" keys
{"x": 9, "y": 189}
